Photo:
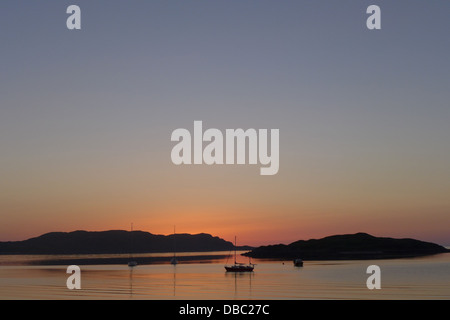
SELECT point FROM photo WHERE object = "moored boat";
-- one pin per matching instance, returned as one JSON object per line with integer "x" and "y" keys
{"x": 239, "y": 267}
{"x": 298, "y": 262}
{"x": 131, "y": 263}
{"x": 174, "y": 260}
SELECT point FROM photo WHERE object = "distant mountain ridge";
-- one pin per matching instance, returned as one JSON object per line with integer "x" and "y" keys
{"x": 114, "y": 241}
{"x": 348, "y": 247}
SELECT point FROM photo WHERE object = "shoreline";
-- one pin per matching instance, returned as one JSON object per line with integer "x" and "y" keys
{"x": 124, "y": 260}
{"x": 186, "y": 259}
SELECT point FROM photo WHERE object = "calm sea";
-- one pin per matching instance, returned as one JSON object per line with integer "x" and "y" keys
{"x": 415, "y": 278}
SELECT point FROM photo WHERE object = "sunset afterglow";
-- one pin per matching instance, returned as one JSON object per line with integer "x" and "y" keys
{"x": 86, "y": 119}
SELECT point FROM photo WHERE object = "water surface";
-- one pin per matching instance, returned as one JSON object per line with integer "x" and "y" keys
{"x": 414, "y": 278}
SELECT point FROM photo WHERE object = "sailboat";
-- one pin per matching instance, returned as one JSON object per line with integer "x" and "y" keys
{"x": 174, "y": 260}
{"x": 132, "y": 263}
{"x": 239, "y": 267}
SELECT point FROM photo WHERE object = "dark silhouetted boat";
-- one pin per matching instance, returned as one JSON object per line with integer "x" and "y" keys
{"x": 239, "y": 267}
{"x": 131, "y": 263}
{"x": 174, "y": 259}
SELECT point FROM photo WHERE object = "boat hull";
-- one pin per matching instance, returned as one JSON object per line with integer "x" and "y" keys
{"x": 239, "y": 268}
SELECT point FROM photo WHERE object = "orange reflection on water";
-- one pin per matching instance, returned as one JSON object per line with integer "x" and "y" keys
{"x": 420, "y": 278}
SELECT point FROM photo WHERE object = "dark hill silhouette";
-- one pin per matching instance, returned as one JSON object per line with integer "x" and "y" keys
{"x": 114, "y": 241}
{"x": 347, "y": 247}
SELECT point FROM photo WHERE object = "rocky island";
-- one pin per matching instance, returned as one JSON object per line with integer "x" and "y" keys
{"x": 115, "y": 242}
{"x": 359, "y": 246}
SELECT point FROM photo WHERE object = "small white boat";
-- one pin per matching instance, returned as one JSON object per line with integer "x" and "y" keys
{"x": 298, "y": 262}
{"x": 132, "y": 263}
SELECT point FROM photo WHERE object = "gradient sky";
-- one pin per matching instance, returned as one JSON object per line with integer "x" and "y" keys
{"x": 86, "y": 117}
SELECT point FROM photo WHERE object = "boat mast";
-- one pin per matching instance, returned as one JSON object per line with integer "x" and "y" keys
{"x": 174, "y": 243}
{"x": 131, "y": 241}
{"x": 235, "y": 250}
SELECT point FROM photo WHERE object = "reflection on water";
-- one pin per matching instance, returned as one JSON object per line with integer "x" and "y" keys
{"x": 131, "y": 282}
{"x": 419, "y": 278}
{"x": 244, "y": 283}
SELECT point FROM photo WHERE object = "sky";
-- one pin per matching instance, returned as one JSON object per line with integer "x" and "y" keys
{"x": 86, "y": 117}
